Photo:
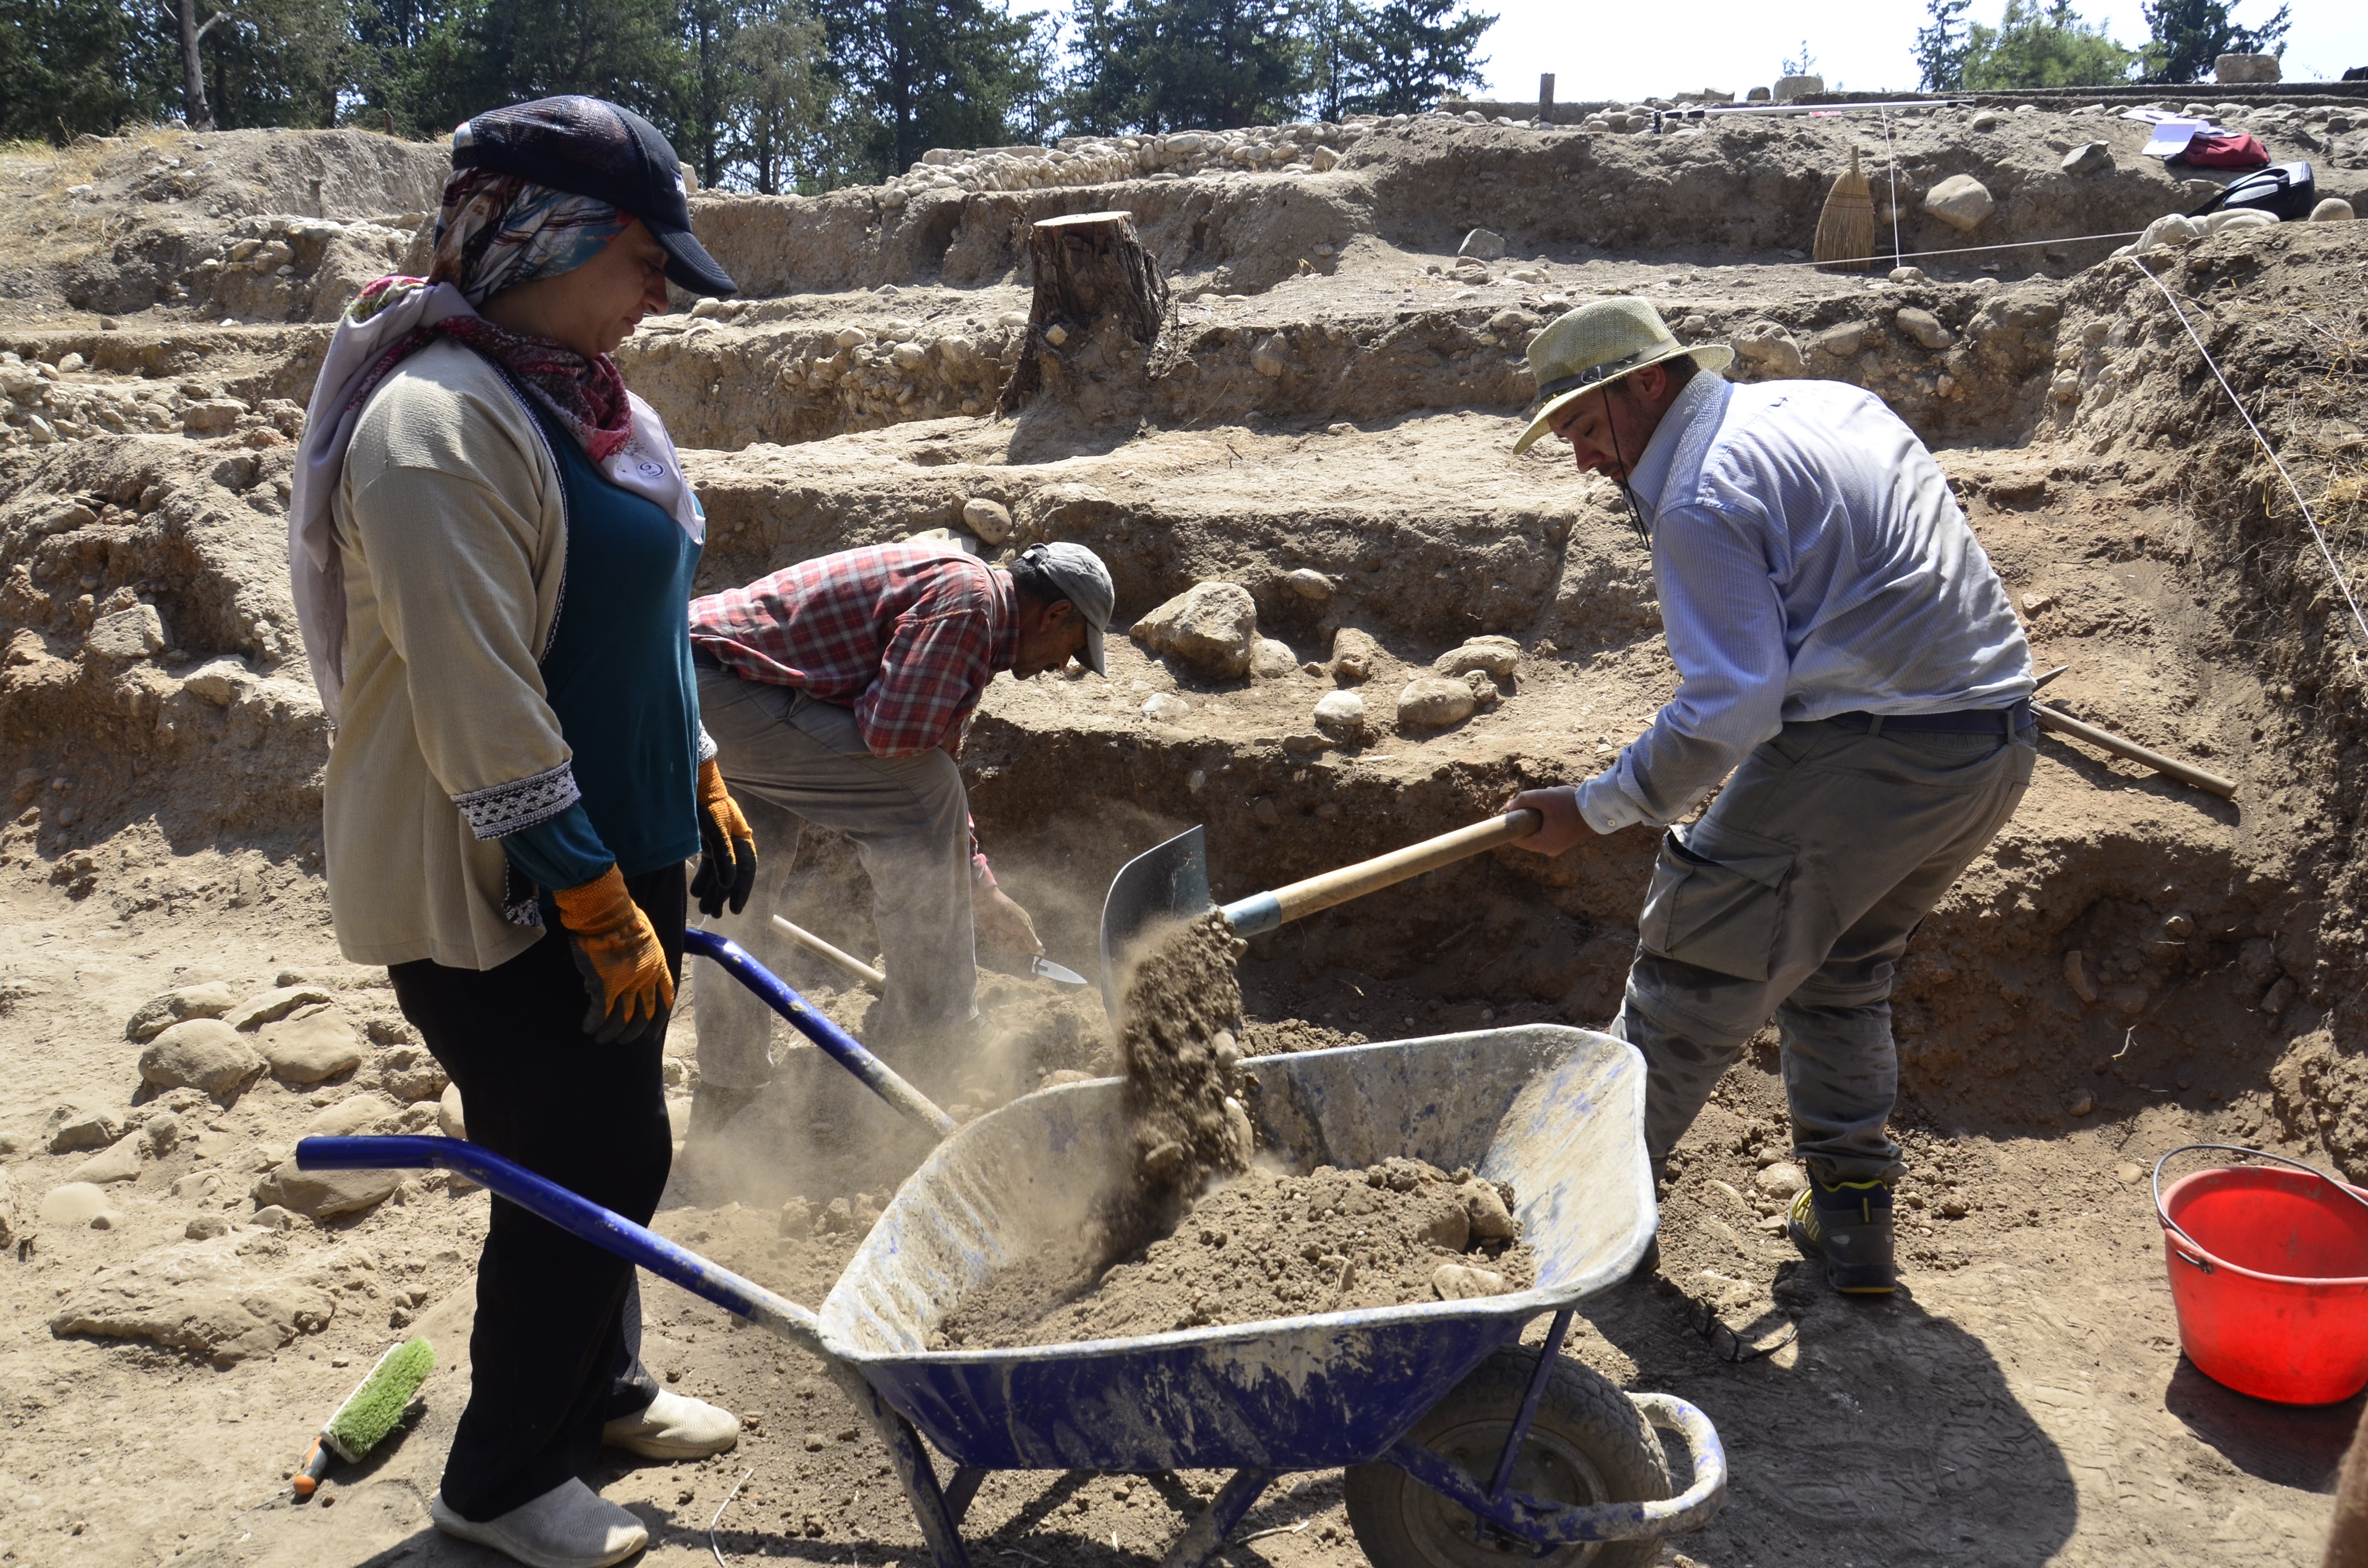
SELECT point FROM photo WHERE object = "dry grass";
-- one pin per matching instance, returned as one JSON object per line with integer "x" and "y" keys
{"x": 41, "y": 223}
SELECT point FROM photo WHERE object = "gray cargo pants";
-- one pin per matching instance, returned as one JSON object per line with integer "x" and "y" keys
{"x": 1795, "y": 894}
{"x": 910, "y": 820}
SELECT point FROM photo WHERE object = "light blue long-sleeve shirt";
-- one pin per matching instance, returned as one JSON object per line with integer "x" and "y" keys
{"x": 1810, "y": 561}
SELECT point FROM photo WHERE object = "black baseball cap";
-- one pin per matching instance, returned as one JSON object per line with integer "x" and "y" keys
{"x": 588, "y": 146}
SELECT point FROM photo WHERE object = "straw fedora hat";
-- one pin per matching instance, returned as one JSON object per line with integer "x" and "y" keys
{"x": 1596, "y": 345}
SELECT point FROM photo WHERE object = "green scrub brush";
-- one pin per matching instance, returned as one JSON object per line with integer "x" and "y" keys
{"x": 370, "y": 1412}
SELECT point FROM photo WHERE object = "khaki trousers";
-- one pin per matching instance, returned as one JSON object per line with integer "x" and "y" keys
{"x": 1795, "y": 894}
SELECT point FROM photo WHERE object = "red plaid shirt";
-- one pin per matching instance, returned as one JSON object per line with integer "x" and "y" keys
{"x": 908, "y": 635}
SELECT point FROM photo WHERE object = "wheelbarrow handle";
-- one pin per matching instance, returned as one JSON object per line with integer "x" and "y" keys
{"x": 841, "y": 1046}
{"x": 1265, "y": 911}
{"x": 579, "y": 1216}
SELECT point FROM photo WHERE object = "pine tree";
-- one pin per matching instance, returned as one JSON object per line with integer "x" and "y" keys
{"x": 1940, "y": 48}
{"x": 2032, "y": 48}
{"x": 1409, "y": 53}
{"x": 2190, "y": 36}
{"x": 951, "y": 73}
{"x": 1193, "y": 64}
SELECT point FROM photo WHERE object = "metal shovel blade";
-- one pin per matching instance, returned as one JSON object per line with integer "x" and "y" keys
{"x": 1163, "y": 884}
{"x": 1045, "y": 968}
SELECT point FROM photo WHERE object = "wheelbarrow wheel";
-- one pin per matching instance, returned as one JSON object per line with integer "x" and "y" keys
{"x": 1588, "y": 1444}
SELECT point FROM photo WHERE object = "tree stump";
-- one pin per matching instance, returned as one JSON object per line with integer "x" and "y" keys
{"x": 1093, "y": 277}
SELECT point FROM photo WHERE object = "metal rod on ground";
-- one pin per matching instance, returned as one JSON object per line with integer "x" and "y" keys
{"x": 2063, "y": 723}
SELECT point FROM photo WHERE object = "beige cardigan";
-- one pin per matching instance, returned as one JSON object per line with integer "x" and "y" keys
{"x": 452, "y": 521}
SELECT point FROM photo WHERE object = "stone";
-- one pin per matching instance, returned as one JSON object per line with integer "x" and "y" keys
{"x": 450, "y": 1119}
{"x": 354, "y": 1114}
{"x": 1497, "y": 656}
{"x": 2089, "y": 158}
{"x": 1841, "y": 340}
{"x": 1270, "y": 659}
{"x": 160, "y": 1134}
{"x": 2246, "y": 69}
{"x": 269, "y": 1006}
{"x": 271, "y": 1218}
{"x": 1783, "y": 1179}
{"x": 70, "y": 1128}
{"x": 212, "y": 415}
{"x": 200, "y": 1297}
{"x": 1482, "y": 245}
{"x": 202, "y": 1053}
{"x": 2075, "y": 975}
{"x": 1483, "y": 1206}
{"x": 1209, "y": 626}
{"x": 1269, "y": 358}
{"x": 2332, "y": 210}
{"x": 1340, "y": 714}
{"x": 2240, "y": 217}
{"x": 15, "y": 1225}
{"x": 1461, "y": 1282}
{"x": 1771, "y": 348}
{"x": 218, "y": 682}
{"x": 1355, "y": 656}
{"x": 1924, "y": 327}
{"x": 1961, "y": 201}
{"x": 409, "y": 1073}
{"x": 120, "y": 1161}
{"x": 1909, "y": 275}
{"x": 126, "y": 634}
{"x": 1166, "y": 707}
{"x": 1954, "y": 1207}
{"x": 1309, "y": 583}
{"x": 160, "y": 1013}
{"x": 2171, "y": 229}
{"x": 310, "y": 1047}
{"x": 2083, "y": 1103}
{"x": 1432, "y": 702}
{"x": 1791, "y": 87}
{"x": 206, "y": 1227}
{"x": 321, "y": 1195}
{"x": 991, "y": 520}
{"x": 76, "y": 1205}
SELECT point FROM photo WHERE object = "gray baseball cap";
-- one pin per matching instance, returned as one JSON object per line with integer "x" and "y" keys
{"x": 1085, "y": 582}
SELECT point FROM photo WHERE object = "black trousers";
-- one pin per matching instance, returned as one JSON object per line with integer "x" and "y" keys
{"x": 555, "y": 1353}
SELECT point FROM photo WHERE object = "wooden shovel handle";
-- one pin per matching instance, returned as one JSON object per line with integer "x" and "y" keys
{"x": 1263, "y": 912}
{"x": 871, "y": 978}
{"x": 2105, "y": 739}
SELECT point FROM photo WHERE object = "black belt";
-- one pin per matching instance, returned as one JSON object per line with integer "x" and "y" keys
{"x": 2005, "y": 721}
{"x": 701, "y": 657}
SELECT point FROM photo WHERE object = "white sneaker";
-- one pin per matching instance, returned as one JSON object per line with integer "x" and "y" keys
{"x": 675, "y": 1427}
{"x": 571, "y": 1526}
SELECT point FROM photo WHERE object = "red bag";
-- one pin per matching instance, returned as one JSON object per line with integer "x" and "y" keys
{"x": 2211, "y": 150}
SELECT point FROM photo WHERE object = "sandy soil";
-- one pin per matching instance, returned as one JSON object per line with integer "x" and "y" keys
{"x": 2132, "y": 966}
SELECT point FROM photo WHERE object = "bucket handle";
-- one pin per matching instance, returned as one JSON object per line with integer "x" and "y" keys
{"x": 2203, "y": 1259}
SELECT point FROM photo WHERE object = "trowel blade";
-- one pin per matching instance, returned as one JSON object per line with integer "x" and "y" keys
{"x": 1050, "y": 970}
{"x": 1169, "y": 882}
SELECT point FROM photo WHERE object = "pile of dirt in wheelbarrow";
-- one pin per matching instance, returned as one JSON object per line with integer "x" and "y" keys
{"x": 1269, "y": 1246}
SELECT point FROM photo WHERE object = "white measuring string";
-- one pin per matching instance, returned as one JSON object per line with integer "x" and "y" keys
{"x": 2318, "y": 537}
{"x": 1892, "y": 153}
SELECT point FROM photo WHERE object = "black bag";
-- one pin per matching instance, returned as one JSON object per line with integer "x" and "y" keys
{"x": 2288, "y": 190}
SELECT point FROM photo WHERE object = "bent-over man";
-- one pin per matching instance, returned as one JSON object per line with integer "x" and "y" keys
{"x": 1846, "y": 651}
{"x": 838, "y": 690}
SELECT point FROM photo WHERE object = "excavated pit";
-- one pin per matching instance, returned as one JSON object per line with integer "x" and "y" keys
{"x": 1334, "y": 397}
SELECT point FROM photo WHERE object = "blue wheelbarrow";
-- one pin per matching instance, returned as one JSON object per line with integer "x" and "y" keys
{"x": 1461, "y": 1446}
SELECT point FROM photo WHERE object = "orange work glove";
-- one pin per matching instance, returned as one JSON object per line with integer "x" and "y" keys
{"x": 727, "y": 849}
{"x": 617, "y": 950}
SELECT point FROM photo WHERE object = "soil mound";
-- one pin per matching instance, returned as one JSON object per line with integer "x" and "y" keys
{"x": 1269, "y": 1246}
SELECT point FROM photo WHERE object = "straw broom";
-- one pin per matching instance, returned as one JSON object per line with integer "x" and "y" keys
{"x": 1846, "y": 228}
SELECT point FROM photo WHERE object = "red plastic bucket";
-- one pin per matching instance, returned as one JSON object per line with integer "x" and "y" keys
{"x": 2269, "y": 1270}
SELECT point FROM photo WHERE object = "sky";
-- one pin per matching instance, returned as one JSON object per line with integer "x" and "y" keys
{"x": 1624, "y": 52}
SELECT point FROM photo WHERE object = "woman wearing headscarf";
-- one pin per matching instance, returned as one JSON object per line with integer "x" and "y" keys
{"x": 492, "y": 545}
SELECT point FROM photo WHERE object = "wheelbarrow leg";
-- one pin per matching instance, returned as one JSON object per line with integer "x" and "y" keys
{"x": 1528, "y": 1411}
{"x": 1205, "y": 1536}
{"x": 940, "y": 1524}
{"x": 962, "y": 1489}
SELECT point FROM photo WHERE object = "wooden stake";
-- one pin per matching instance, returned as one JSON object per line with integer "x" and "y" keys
{"x": 1089, "y": 270}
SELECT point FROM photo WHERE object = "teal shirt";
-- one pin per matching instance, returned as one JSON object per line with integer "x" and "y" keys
{"x": 617, "y": 676}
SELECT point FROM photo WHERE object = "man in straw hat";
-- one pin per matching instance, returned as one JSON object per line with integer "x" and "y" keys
{"x": 1846, "y": 651}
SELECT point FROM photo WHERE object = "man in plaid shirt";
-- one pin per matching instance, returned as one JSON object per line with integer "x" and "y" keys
{"x": 837, "y": 691}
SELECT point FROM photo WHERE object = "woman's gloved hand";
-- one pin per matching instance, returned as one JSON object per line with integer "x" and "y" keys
{"x": 617, "y": 950}
{"x": 727, "y": 848}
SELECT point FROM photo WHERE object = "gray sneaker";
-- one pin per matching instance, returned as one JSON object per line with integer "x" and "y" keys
{"x": 571, "y": 1526}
